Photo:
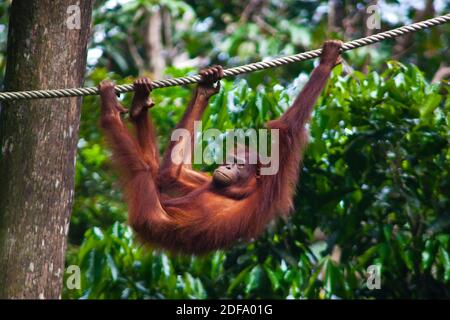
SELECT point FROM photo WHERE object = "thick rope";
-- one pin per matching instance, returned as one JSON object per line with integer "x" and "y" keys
{"x": 76, "y": 92}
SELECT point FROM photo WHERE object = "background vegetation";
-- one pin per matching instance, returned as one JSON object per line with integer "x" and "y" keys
{"x": 375, "y": 185}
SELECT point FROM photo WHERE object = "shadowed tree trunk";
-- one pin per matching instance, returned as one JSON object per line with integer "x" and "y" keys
{"x": 167, "y": 33}
{"x": 404, "y": 43}
{"x": 336, "y": 15}
{"x": 46, "y": 50}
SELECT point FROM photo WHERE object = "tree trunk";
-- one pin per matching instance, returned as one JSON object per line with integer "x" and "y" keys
{"x": 336, "y": 15}
{"x": 153, "y": 44}
{"x": 404, "y": 43}
{"x": 168, "y": 34}
{"x": 38, "y": 141}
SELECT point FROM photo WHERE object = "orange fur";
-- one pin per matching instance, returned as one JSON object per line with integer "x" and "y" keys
{"x": 176, "y": 208}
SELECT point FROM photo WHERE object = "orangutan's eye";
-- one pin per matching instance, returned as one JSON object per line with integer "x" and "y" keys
{"x": 240, "y": 165}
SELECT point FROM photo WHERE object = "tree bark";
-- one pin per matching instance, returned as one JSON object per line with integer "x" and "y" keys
{"x": 154, "y": 45}
{"x": 336, "y": 15}
{"x": 38, "y": 141}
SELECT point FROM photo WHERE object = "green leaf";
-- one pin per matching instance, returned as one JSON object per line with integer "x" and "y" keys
{"x": 254, "y": 279}
{"x": 238, "y": 279}
{"x": 272, "y": 277}
{"x": 445, "y": 260}
{"x": 112, "y": 267}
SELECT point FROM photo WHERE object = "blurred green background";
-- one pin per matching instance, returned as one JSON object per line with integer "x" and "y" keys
{"x": 375, "y": 184}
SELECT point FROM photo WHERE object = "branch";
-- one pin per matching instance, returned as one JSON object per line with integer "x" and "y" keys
{"x": 249, "y": 9}
{"x": 134, "y": 52}
{"x": 442, "y": 73}
{"x": 264, "y": 25}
